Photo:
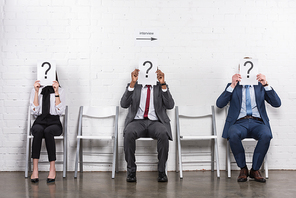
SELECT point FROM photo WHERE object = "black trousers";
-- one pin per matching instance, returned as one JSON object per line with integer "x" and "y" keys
{"x": 40, "y": 131}
{"x": 145, "y": 128}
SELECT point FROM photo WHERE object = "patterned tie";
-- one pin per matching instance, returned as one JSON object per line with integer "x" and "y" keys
{"x": 147, "y": 102}
{"x": 248, "y": 101}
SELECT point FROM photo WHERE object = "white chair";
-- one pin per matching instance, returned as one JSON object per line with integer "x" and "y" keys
{"x": 63, "y": 137}
{"x": 194, "y": 114}
{"x": 142, "y": 154}
{"x": 97, "y": 113}
{"x": 228, "y": 160}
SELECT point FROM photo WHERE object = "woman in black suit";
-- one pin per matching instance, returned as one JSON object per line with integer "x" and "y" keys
{"x": 46, "y": 104}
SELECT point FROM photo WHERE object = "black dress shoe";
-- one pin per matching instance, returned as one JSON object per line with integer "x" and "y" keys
{"x": 131, "y": 177}
{"x": 50, "y": 180}
{"x": 36, "y": 180}
{"x": 243, "y": 175}
{"x": 257, "y": 176}
{"x": 162, "y": 177}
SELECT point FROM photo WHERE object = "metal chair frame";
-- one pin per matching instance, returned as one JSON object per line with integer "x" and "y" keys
{"x": 196, "y": 112}
{"x": 97, "y": 113}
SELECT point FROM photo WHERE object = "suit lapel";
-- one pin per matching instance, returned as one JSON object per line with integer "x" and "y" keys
{"x": 138, "y": 90}
{"x": 257, "y": 94}
{"x": 239, "y": 93}
{"x": 155, "y": 95}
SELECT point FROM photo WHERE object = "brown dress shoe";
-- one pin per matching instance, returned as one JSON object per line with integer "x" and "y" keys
{"x": 243, "y": 175}
{"x": 257, "y": 176}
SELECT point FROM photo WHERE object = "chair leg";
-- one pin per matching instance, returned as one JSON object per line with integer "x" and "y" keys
{"x": 81, "y": 156}
{"x": 65, "y": 158}
{"x": 217, "y": 158}
{"x": 212, "y": 155}
{"x": 177, "y": 158}
{"x": 116, "y": 167}
{"x": 180, "y": 160}
{"x": 27, "y": 157}
{"x": 228, "y": 160}
{"x": 77, "y": 156}
{"x": 166, "y": 168}
{"x": 177, "y": 165}
{"x": 266, "y": 166}
{"x": 114, "y": 159}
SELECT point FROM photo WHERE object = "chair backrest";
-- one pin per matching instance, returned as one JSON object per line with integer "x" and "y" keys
{"x": 196, "y": 112}
{"x": 63, "y": 118}
{"x": 100, "y": 113}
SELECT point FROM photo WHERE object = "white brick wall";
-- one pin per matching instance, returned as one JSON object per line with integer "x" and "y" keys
{"x": 92, "y": 41}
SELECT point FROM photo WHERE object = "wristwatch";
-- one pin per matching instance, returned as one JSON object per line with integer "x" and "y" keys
{"x": 57, "y": 96}
{"x": 163, "y": 84}
{"x": 265, "y": 84}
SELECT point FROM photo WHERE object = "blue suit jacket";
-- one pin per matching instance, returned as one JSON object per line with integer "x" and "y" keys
{"x": 235, "y": 99}
{"x": 162, "y": 102}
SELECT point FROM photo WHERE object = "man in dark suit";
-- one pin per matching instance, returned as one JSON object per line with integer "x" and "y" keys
{"x": 247, "y": 118}
{"x": 147, "y": 118}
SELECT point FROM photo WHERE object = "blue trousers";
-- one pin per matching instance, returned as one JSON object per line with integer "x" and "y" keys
{"x": 249, "y": 128}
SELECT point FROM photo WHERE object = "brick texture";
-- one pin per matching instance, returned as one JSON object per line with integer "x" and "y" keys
{"x": 93, "y": 43}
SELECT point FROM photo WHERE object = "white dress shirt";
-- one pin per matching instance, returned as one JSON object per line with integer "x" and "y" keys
{"x": 53, "y": 110}
{"x": 141, "y": 110}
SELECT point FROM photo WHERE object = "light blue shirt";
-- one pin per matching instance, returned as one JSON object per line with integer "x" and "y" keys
{"x": 243, "y": 111}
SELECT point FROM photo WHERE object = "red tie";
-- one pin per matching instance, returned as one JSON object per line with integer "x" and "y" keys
{"x": 147, "y": 102}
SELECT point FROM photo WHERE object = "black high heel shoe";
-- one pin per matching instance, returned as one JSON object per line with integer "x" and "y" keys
{"x": 50, "y": 180}
{"x": 36, "y": 180}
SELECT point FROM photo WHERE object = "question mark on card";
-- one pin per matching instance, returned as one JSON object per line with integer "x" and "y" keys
{"x": 46, "y": 63}
{"x": 148, "y": 68}
{"x": 250, "y": 67}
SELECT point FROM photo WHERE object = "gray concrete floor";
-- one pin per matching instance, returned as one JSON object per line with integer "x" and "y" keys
{"x": 194, "y": 184}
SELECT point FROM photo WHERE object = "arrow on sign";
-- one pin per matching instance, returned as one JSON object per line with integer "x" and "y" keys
{"x": 151, "y": 39}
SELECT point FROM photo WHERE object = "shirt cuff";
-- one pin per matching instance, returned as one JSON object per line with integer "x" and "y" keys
{"x": 59, "y": 106}
{"x": 35, "y": 109}
{"x": 229, "y": 89}
{"x": 268, "y": 88}
{"x": 164, "y": 90}
{"x": 130, "y": 89}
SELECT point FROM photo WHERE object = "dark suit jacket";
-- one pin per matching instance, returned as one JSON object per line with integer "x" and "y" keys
{"x": 235, "y": 99}
{"x": 162, "y": 102}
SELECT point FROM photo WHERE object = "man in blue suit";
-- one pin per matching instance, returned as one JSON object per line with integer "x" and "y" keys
{"x": 247, "y": 118}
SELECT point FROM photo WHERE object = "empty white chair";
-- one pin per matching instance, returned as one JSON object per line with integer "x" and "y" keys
{"x": 228, "y": 160}
{"x": 63, "y": 137}
{"x": 97, "y": 113}
{"x": 193, "y": 114}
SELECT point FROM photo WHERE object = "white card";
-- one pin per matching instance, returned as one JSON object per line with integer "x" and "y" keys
{"x": 248, "y": 69}
{"x": 147, "y": 75}
{"x": 46, "y": 72}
